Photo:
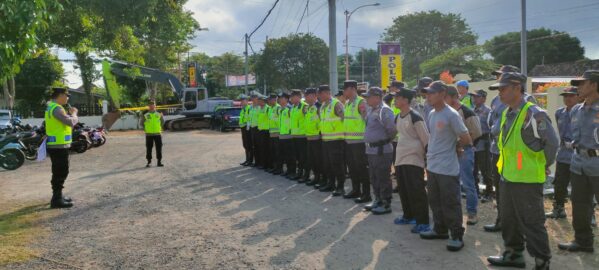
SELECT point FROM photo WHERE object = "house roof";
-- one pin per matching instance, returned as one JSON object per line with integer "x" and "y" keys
{"x": 565, "y": 69}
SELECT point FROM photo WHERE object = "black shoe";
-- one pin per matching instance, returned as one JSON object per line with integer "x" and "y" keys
{"x": 492, "y": 228}
{"x": 67, "y": 199}
{"x": 296, "y": 178}
{"x": 277, "y": 172}
{"x": 148, "y": 165}
{"x": 509, "y": 259}
{"x": 382, "y": 209}
{"x": 58, "y": 202}
{"x": 301, "y": 180}
{"x": 312, "y": 182}
{"x": 252, "y": 164}
{"x": 285, "y": 173}
{"x": 363, "y": 199}
{"x": 245, "y": 163}
{"x": 351, "y": 195}
{"x": 558, "y": 212}
{"x": 290, "y": 176}
{"x": 432, "y": 235}
{"x": 160, "y": 164}
{"x": 326, "y": 188}
{"x": 541, "y": 264}
{"x": 338, "y": 192}
{"x": 575, "y": 247}
{"x": 373, "y": 204}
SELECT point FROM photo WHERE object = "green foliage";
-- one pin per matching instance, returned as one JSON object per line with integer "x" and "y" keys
{"x": 372, "y": 72}
{"x": 467, "y": 60}
{"x": 216, "y": 68}
{"x": 36, "y": 77}
{"x": 295, "y": 61}
{"x": 551, "y": 45}
{"x": 424, "y": 35}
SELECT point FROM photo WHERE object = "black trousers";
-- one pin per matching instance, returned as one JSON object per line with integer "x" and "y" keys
{"x": 255, "y": 145}
{"x": 523, "y": 219}
{"x": 287, "y": 154}
{"x": 496, "y": 180}
{"x": 583, "y": 189}
{"x": 275, "y": 153}
{"x": 561, "y": 182}
{"x": 299, "y": 145}
{"x": 60, "y": 167}
{"x": 152, "y": 140}
{"x": 482, "y": 164}
{"x": 314, "y": 157}
{"x": 412, "y": 193}
{"x": 394, "y": 143}
{"x": 246, "y": 139}
{"x": 333, "y": 160}
{"x": 357, "y": 162}
{"x": 445, "y": 202}
{"x": 263, "y": 148}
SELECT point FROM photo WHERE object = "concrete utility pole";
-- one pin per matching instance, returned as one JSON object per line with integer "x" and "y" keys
{"x": 347, "y": 17}
{"x": 333, "y": 48}
{"x": 523, "y": 64}
{"x": 245, "y": 53}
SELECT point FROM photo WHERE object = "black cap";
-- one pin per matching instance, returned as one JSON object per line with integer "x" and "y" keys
{"x": 310, "y": 91}
{"x": 436, "y": 87}
{"x": 452, "y": 90}
{"x": 423, "y": 83}
{"x": 324, "y": 87}
{"x": 589, "y": 75}
{"x": 339, "y": 93}
{"x": 55, "y": 91}
{"x": 572, "y": 90}
{"x": 350, "y": 83}
{"x": 296, "y": 92}
{"x": 374, "y": 91}
{"x": 284, "y": 95}
{"x": 405, "y": 93}
{"x": 508, "y": 78}
{"x": 272, "y": 95}
{"x": 397, "y": 84}
{"x": 480, "y": 93}
{"x": 504, "y": 69}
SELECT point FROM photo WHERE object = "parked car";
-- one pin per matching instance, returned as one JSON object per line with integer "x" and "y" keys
{"x": 5, "y": 119}
{"x": 226, "y": 118}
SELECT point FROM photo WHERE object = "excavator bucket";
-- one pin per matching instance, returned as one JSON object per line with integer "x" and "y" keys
{"x": 110, "y": 118}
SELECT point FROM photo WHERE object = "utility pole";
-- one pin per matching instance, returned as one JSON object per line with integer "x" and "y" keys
{"x": 347, "y": 17}
{"x": 363, "y": 64}
{"x": 333, "y": 48}
{"x": 245, "y": 53}
{"x": 523, "y": 64}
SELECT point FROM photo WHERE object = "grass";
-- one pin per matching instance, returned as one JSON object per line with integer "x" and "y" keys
{"x": 19, "y": 228}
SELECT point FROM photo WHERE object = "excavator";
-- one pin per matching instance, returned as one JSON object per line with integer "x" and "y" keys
{"x": 196, "y": 107}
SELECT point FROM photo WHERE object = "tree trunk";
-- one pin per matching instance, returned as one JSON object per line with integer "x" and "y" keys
{"x": 9, "y": 92}
{"x": 86, "y": 66}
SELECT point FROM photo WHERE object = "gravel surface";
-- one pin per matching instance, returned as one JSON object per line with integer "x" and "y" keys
{"x": 204, "y": 211}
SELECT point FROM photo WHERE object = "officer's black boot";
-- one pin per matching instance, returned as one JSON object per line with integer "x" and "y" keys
{"x": 299, "y": 174}
{"x": 557, "y": 213}
{"x": 322, "y": 182}
{"x": 541, "y": 264}
{"x": 149, "y": 162}
{"x": 493, "y": 227}
{"x": 305, "y": 177}
{"x": 510, "y": 258}
{"x": 314, "y": 181}
{"x": 57, "y": 200}
{"x": 383, "y": 208}
{"x": 340, "y": 190}
{"x": 575, "y": 247}
{"x": 330, "y": 186}
{"x": 373, "y": 204}
{"x": 159, "y": 164}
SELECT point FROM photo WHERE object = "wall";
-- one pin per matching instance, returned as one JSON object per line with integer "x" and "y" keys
{"x": 126, "y": 122}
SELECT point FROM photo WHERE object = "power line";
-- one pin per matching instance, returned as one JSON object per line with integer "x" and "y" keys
{"x": 302, "y": 18}
{"x": 265, "y": 17}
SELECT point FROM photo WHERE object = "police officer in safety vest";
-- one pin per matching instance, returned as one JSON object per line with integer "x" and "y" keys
{"x": 152, "y": 122}
{"x": 59, "y": 126}
{"x": 298, "y": 112}
{"x": 527, "y": 146}
{"x": 285, "y": 138}
{"x": 333, "y": 136}
{"x": 313, "y": 142}
{"x": 274, "y": 109}
{"x": 246, "y": 137}
{"x": 465, "y": 97}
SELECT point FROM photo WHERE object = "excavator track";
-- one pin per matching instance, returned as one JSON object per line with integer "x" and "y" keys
{"x": 187, "y": 123}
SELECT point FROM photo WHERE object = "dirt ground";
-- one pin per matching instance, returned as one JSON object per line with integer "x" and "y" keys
{"x": 204, "y": 211}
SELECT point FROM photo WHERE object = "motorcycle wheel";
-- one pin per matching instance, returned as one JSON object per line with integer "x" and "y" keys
{"x": 80, "y": 147}
{"x": 103, "y": 140}
{"x": 31, "y": 154}
{"x": 13, "y": 159}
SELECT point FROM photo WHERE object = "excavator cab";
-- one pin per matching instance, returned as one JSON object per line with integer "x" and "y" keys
{"x": 196, "y": 102}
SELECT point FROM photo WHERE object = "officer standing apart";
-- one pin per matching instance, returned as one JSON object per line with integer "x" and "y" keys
{"x": 331, "y": 129}
{"x": 246, "y": 138}
{"x": 313, "y": 143}
{"x": 481, "y": 145}
{"x": 59, "y": 126}
{"x": 527, "y": 146}
{"x": 354, "y": 124}
{"x": 564, "y": 154}
{"x": 448, "y": 135}
{"x": 584, "y": 168}
{"x": 465, "y": 97}
{"x": 409, "y": 163}
{"x": 152, "y": 123}
{"x": 380, "y": 132}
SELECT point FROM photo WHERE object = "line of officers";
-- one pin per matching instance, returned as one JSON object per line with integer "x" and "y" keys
{"x": 449, "y": 133}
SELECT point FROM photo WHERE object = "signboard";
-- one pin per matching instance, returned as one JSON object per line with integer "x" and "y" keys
{"x": 363, "y": 87}
{"x": 239, "y": 80}
{"x": 191, "y": 72}
{"x": 390, "y": 58}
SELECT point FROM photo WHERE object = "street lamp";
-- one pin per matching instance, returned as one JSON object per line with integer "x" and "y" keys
{"x": 347, "y": 16}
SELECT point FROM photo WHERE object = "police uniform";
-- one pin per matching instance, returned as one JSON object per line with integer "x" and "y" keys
{"x": 331, "y": 129}
{"x": 285, "y": 138}
{"x": 246, "y": 137}
{"x": 298, "y": 112}
{"x": 253, "y": 126}
{"x": 584, "y": 167}
{"x": 59, "y": 137}
{"x": 274, "y": 123}
{"x": 482, "y": 144}
{"x": 263, "y": 141}
{"x": 527, "y": 145}
{"x": 152, "y": 123}
{"x": 313, "y": 142}
{"x": 466, "y": 99}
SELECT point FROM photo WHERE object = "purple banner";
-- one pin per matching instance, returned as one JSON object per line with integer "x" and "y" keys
{"x": 389, "y": 48}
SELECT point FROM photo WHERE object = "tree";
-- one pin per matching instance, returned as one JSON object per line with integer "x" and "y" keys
{"x": 21, "y": 23}
{"x": 295, "y": 61}
{"x": 467, "y": 60}
{"x": 424, "y": 35}
{"x": 371, "y": 67}
{"x": 543, "y": 46}
{"x": 36, "y": 76}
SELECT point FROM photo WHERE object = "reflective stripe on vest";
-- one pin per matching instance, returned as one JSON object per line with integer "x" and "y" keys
{"x": 517, "y": 162}
{"x": 353, "y": 124}
{"x": 152, "y": 123}
{"x": 331, "y": 125}
{"x": 273, "y": 119}
{"x": 285, "y": 123}
{"x": 297, "y": 120}
{"x": 58, "y": 133}
{"x": 467, "y": 101}
{"x": 263, "y": 117}
{"x": 312, "y": 121}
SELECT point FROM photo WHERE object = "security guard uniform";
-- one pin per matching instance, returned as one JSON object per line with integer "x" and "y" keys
{"x": 333, "y": 136}
{"x": 354, "y": 125}
{"x": 313, "y": 142}
{"x": 273, "y": 130}
{"x": 298, "y": 112}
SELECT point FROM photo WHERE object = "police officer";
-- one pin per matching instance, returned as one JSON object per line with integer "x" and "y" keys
{"x": 527, "y": 145}
{"x": 59, "y": 126}
{"x": 420, "y": 103}
{"x": 584, "y": 167}
{"x": 564, "y": 155}
{"x": 354, "y": 124}
{"x": 246, "y": 138}
{"x": 273, "y": 131}
{"x": 253, "y": 128}
{"x": 378, "y": 135}
{"x": 298, "y": 112}
{"x": 465, "y": 97}
{"x": 331, "y": 129}
{"x": 263, "y": 135}
{"x": 285, "y": 138}
{"x": 152, "y": 123}
{"x": 313, "y": 143}
{"x": 482, "y": 155}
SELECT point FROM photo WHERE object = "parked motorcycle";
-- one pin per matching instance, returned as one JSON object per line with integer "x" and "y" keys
{"x": 31, "y": 141}
{"x": 11, "y": 152}
{"x": 81, "y": 139}
{"x": 97, "y": 136}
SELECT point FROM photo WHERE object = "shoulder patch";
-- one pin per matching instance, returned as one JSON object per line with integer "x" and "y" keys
{"x": 415, "y": 116}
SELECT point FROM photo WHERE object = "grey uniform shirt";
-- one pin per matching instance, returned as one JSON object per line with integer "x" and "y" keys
{"x": 543, "y": 138}
{"x": 585, "y": 135}
{"x": 563, "y": 118}
{"x": 497, "y": 108}
{"x": 483, "y": 143}
{"x": 380, "y": 126}
{"x": 63, "y": 117}
{"x": 445, "y": 127}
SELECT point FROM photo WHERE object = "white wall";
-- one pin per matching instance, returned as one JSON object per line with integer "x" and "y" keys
{"x": 126, "y": 122}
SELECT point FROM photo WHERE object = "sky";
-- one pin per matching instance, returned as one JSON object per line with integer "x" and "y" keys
{"x": 228, "y": 20}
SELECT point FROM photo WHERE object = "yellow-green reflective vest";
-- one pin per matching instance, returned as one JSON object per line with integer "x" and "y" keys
{"x": 285, "y": 123}
{"x": 518, "y": 163}
{"x": 254, "y": 116}
{"x": 273, "y": 119}
{"x": 263, "y": 117}
{"x": 467, "y": 101}
{"x": 58, "y": 133}
{"x": 312, "y": 121}
{"x": 353, "y": 124}
{"x": 395, "y": 110}
{"x": 152, "y": 123}
{"x": 244, "y": 115}
{"x": 331, "y": 125}
{"x": 297, "y": 119}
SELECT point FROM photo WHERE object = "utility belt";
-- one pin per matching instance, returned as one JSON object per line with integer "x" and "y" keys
{"x": 485, "y": 137}
{"x": 588, "y": 152}
{"x": 380, "y": 145}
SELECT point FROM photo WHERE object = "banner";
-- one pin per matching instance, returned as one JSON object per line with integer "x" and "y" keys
{"x": 191, "y": 72}
{"x": 239, "y": 80}
{"x": 390, "y": 58}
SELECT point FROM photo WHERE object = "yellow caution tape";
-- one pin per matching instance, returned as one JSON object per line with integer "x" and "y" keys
{"x": 146, "y": 107}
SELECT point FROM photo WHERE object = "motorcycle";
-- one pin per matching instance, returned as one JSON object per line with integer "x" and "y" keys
{"x": 31, "y": 141}
{"x": 81, "y": 139}
{"x": 11, "y": 152}
{"x": 97, "y": 136}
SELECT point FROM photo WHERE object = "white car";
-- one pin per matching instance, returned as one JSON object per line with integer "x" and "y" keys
{"x": 5, "y": 117}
